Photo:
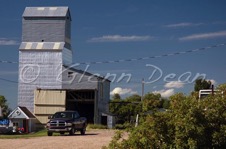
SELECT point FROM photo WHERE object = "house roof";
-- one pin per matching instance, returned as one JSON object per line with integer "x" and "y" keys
{"x": 25, "y": 113}
{"x": 46, "y": 12}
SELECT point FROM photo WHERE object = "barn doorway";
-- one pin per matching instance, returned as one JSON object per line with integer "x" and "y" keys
{"x": 82, "y": 101}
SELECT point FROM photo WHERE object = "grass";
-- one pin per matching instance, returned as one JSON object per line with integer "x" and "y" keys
{"x": 96, "y": 126}
{"x": 43, "y": 133}
{"x": 40, "y": 133}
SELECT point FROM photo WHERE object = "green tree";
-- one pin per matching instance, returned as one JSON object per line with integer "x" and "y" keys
{"x": 116, "y": 96}
{"x": 4, "y": 106}
{"x": 151, "y": 101}
{"x": 189, "y": 123}
{"x": 202, "y": 84}
{"x": 126, "y": 109}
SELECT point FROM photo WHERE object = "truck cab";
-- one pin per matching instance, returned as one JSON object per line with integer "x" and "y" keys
{"x": 66, "y": 121}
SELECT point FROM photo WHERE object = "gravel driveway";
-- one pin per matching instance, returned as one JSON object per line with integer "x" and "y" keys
{"x": 94, "y": 139}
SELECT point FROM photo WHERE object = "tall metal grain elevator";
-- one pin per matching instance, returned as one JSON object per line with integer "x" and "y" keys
{"x": 44, "y": 51}
{"x": 48, "y": 82}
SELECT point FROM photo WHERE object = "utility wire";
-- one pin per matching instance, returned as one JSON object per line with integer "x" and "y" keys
{"x": 128, "y": 60}
{"x": 137, "y": 59}
{"x": 6, "y": 80}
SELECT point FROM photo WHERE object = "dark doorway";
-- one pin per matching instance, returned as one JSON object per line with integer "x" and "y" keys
{"x": 81, "y": 101}
{"x": 25, "y": 125}
{"x": 104, "y": 120}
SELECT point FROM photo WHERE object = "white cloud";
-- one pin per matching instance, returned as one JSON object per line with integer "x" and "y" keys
{"x": 204, "y": 36}
{"x": 119, "y": 38}
{"x": 7, "y": 42}
{"x": 183, "y": 24}
{"x": 121, "y": 91}
{"x": 165, "y": 93}
{"x": 174, "y": 84}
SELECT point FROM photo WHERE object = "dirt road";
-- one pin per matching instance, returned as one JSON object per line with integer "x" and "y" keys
{"x": 94, "y": 139}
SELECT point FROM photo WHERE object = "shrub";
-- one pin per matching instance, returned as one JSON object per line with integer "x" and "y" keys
{"x": 96, "y": 126}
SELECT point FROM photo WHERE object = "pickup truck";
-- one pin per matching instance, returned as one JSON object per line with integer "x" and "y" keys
{"x": 66, "y": 121}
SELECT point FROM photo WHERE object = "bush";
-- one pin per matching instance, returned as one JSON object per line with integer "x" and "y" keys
{"x": 96, "y": 126}
{"x": 189, "y": 123}
{"x": 123, "y": 126}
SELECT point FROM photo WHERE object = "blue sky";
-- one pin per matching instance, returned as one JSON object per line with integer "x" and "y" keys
{"x": 117, "y": 30}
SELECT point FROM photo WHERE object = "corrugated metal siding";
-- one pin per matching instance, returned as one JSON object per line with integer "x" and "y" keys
{"x": 43, "y": 30}
{"x": 78, "y": 80}
{"x": 38, "y": 70}
{"x": 67, "y": 57}
{"x": 68, "y": 31}
{"x": 104, "y": 99}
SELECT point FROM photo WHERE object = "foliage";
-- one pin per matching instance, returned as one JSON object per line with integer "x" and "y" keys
{"x": 4, "y": 106}
{"x": 124, "y": 126}
{"x": 116, "y": 96}
{"x": 126, "y": 109}
{"x": 189, "y": 123}
{"x": 96, "y": 126}
{"x": 202, "y": 84}
{"x": 151, "y": 101}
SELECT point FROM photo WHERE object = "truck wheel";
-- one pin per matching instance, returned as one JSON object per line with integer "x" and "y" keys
{"x": 49, "y": 133}
{"x": 83, "y": 131}
{"x": 72, "y": 131}
{"x": 61, "y": 133}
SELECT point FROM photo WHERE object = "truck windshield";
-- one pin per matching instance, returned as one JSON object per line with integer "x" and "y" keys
{"x": 62, "y": 115}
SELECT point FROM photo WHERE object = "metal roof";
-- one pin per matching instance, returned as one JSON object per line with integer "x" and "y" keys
{"x": 46, "y": 12}
{"x": 41, "y": 45}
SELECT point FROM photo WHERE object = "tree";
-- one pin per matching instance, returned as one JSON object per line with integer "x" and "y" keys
{"x": 116, "y": 96}
{"x": 202, "y": 84}
{"x": 189, "y": 123}
{"x": 4, "y": 106}
{"x": 151, "y": 101}
{"x": 126, "y": 109}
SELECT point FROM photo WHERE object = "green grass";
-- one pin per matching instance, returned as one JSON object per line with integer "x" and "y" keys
{"x": 43, "y": 133}
{"x": 40, "y": 133}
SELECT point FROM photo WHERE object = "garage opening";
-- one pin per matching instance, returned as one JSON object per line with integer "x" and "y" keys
{"x": 82, "y": 101}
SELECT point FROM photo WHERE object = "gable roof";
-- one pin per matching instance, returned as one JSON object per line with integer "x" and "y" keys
{"x": 25, "y": 112}
{"x": 46, "y": 12}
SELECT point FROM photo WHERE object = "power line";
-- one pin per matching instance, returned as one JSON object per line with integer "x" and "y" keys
{"x": 6, "y": 80}
{"x": 136, "y": 59}
{"x": 128, "y": 60}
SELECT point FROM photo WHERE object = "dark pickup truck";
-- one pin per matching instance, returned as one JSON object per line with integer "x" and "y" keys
{"x": 66, "y": 121}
